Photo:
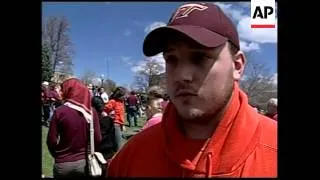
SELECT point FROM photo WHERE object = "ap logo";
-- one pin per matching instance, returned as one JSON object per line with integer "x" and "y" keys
{"x": 263, "y": 14}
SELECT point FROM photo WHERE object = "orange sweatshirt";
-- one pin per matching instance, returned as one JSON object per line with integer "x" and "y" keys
{"x": 118, "y": 107}
{"x": 243, "y": 145}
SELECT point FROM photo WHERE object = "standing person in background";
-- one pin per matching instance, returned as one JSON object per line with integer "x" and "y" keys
{"x": 90, "y": 87}
{"x": 115, "y": 109}
{"x": 154, "y": 112}
{"x": 108, "y": 145}
{"x": 132, "y": 111}
{"x": 55, "y": 96}
{"x": 95, "y": 91}
{"x": 58, "y": 96}
{"x": 139, "y": 105}
{"x": 68, "y": 134}
{"x": 103, "y": 95}
{"x": 208, "y": 129}
{"x": 155, "y": 92}
{"x": 272, "y": 109}
{"x": 45, "y": 102}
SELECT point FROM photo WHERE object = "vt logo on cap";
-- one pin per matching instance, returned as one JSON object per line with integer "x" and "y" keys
{"x": 185, "y": 10}
{"x": 204, "y": 23}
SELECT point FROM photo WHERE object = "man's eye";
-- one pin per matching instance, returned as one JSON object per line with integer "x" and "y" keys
{"x": 171, "y": 59}
{"x": 199, "y": 58}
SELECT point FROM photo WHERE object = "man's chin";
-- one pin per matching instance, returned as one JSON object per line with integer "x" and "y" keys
{"x": 191, "y": 115}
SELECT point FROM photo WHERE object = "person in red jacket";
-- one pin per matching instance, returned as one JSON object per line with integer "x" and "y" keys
{"x": 115, "y": 109}
{"x": 68, "y": 134}
{"x": 208, "y": 128}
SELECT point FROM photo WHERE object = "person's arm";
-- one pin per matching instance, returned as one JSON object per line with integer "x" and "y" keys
{"x": 97, "y": 131}
{"x": 137, "y": 102}
{"x": 52, "y": 138}
{"x": 107, "y": 97}
{"x": 113, "y": 136}
{"x": 109, "y": 106}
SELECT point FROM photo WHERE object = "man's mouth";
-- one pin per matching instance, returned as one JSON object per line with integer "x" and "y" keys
{"x": 185, "y": 94}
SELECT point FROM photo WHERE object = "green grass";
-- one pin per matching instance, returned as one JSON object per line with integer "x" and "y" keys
{"x": 48, "y": 161}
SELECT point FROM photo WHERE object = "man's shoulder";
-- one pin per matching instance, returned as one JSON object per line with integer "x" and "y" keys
{"x": 142, "y": 147}
{"x": 143, "y": 141}
{"x": 150, "y": 135}
{"x": 269, "y": 133}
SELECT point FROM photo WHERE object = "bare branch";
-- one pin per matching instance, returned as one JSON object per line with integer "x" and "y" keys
{"x": 150, "y": 75}
{"x": 55, "y": 33}
{"x": 258, "y": 82}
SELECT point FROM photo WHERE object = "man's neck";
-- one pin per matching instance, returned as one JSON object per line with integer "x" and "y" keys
{"x": 205, "y": 131}
{"x": 201, "y": 131}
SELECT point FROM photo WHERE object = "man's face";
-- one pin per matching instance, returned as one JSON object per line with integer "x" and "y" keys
{"x": 200, "y": 80}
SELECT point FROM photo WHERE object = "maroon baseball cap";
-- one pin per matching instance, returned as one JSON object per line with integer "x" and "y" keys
{"x": 205, "y": 23}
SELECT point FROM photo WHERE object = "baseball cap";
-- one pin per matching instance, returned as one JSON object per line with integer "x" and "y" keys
{"x": 205, "y": 23}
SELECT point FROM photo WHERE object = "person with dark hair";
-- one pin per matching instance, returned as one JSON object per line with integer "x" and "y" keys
{"x": 108, "y": 143}
{"x": 45, "y": 91}
{"x": 115, "y": 109}
{"x": 208, "y": 128}
{"x": 132, "y": 109}
{"x": 68, "y": 135}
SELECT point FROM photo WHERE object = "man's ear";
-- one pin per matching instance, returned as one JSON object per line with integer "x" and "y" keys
{"x": 239, "y": 64}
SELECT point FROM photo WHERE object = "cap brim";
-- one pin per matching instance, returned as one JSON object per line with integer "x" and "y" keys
{"x": 156, "y": 40}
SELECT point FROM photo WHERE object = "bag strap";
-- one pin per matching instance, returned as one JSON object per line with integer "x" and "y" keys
{"x": 89, "y": 118}
{"x": 91, "y": 136}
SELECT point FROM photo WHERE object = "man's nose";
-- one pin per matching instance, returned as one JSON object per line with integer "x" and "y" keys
{"x": 184, "y": 73}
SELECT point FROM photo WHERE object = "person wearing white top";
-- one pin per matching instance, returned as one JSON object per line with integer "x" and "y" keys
{"x": 103, "y": 95}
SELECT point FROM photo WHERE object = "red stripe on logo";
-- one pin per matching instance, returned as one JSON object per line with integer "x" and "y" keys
{"x": 263, "y": 25}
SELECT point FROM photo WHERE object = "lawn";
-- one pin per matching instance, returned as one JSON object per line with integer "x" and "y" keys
{"x": 47, "y": 160}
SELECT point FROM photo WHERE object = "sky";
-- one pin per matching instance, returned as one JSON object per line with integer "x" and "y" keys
{"x": 112, "y": 33}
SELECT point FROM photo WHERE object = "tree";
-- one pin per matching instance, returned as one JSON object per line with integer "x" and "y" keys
{"x": 148, "y": 75}
{"x": 46, "y": 68}
{"x": 55, "y": 33}
{"x": 258, "y": 82}
{"x": 88, "y": 77}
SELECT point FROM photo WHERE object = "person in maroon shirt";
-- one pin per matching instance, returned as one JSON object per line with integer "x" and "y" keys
{"x": 68, "y": 135}
{"x": 132, "y": 110}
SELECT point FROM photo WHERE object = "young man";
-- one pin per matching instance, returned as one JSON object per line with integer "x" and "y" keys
{"x": 132, "y": 109}
{"x": 208, "y": 128}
